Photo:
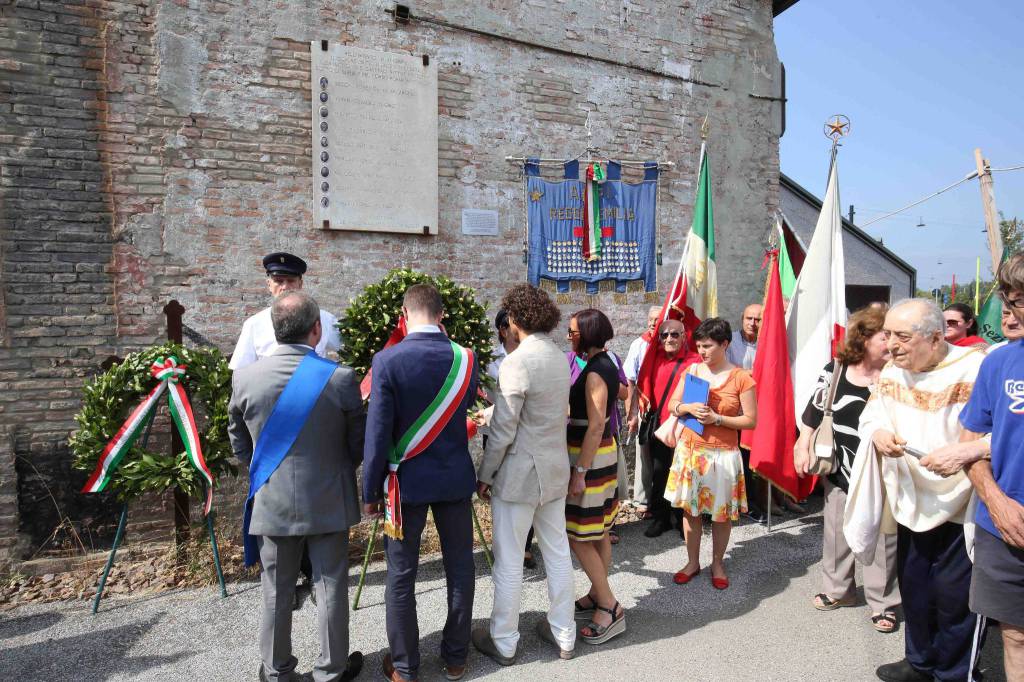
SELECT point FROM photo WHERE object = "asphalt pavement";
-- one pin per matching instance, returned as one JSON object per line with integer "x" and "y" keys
{"x": 762, "y": 628}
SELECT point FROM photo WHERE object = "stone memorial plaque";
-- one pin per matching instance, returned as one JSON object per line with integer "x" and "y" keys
{"x": 480, "y": 222}
{"x": 374, "y": 159}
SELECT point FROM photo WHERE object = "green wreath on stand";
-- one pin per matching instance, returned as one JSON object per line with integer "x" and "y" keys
{"x": 372, "y": 316}
{"x": 110, "y": 398}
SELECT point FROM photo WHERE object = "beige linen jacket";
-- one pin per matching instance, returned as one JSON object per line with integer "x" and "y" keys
{"x": 526, "y": 459}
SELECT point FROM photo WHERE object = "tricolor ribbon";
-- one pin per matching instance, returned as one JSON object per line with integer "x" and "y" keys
{"x": 592, "y": 212}
{"x": 423, "y": 431}
{"x": 167, "y": 372}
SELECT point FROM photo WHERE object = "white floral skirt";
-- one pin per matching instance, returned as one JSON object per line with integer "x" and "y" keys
{"x": 706, "y": 480}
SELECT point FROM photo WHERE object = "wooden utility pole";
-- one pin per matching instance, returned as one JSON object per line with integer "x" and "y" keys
{"x": 988, "y": 202}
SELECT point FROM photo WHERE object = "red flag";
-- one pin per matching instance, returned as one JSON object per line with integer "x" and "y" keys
{"x": 397, "y": 335}
{"x": 772, "y": 440}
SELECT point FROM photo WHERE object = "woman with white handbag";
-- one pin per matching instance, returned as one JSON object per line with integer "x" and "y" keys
{"x": 826, "y": 447}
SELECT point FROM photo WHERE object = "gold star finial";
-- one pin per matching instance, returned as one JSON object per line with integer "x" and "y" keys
{"x": 837, "y": 128}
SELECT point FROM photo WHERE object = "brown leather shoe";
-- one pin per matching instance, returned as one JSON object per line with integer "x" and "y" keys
{"x": 454, "y": 672}
{"x": 390, "y": 674}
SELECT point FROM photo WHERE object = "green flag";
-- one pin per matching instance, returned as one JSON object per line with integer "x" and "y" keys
{"x": 786, "y": 275}
{"x": 990, "y": 319}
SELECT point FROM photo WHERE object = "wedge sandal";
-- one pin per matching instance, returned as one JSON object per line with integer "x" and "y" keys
{"x": 602, "y": 633}
{"x": 584, "y": 613}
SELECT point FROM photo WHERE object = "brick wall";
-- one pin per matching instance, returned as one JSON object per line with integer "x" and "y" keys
{"x": 157, "y": 149}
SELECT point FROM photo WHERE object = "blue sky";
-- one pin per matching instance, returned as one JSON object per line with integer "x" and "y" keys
{"x": 923, "y": 84}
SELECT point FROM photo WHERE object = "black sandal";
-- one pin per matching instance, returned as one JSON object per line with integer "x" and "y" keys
{"x": 886, "y": 617}
{"x": 602, "y": 633}
{"x": 584, "y": 613}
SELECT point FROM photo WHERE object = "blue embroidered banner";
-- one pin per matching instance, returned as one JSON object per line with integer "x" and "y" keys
{"x": 555, "y": 214}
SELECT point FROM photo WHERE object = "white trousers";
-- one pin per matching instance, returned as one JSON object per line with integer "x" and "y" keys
{"x": 511, "y": 522}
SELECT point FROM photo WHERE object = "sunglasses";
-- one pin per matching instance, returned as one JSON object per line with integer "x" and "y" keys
{"x": 674, "y": 335}
{"x": 572, "y": 333}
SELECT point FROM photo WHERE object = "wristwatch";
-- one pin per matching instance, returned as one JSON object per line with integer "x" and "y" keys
{"x": 579, "y": 469}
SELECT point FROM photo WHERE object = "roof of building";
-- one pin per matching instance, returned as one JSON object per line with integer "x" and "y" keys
{"x": 855, "y": 231}
{"x": 780, "y": 6}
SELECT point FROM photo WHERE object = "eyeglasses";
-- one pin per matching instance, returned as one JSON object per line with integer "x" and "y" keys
{"x": 572, "y": 333}
{"x": 674, "y": 335}
{"x": 1013, "y": 303}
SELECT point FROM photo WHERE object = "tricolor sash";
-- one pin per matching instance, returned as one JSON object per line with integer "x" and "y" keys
{"x": 286, "y": 420}
{"x": 423, "y": 431}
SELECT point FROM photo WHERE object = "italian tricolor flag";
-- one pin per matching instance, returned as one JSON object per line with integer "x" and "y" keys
{"x": 693, "y": 296}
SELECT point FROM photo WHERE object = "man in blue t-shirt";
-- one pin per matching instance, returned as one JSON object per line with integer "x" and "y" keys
{"x": 996, "y": 406}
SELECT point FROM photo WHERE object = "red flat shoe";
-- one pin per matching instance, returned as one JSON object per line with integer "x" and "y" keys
{"x": 681, "y": 578}
{"x": 719, "y": 583}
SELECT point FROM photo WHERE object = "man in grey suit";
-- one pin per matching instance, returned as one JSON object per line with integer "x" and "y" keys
{"x": 525, "y": 474}
{"x": 309, "y": 498}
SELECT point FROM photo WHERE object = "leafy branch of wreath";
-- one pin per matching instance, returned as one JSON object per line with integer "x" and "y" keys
{"x": 373, "y": 315}
{"x": 109, "y": 398}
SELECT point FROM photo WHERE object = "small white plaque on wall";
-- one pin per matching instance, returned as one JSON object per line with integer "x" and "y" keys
{"x": 374, "y": 140}
{"x": 480, "y": 222}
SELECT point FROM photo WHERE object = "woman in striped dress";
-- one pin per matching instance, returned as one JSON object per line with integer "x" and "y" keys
{"x": 592, "y": 503}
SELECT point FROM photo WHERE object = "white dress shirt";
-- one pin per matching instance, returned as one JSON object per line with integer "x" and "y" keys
{"x": 257, "y": 339}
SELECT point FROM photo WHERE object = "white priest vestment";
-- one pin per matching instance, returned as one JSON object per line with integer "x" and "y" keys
{"x": 922, "y": 408}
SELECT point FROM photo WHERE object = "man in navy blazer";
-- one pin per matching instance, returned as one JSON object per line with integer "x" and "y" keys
{"x": 406, "y": 379}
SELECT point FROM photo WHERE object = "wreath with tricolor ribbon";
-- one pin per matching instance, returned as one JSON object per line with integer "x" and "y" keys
{"x": 373, "y": 315}
{"x": 118, "y": 406}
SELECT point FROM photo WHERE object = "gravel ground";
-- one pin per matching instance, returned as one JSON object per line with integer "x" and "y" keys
{"x": 762, "y": 628}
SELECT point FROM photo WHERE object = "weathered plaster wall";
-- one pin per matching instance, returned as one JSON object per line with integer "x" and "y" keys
{"x": 156, "y": 149}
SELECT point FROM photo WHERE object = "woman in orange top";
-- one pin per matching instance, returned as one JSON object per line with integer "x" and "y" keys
{"x": 707, "y": 472}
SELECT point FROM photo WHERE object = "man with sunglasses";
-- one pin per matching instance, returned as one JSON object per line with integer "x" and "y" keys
{"x": 672, "y": 337}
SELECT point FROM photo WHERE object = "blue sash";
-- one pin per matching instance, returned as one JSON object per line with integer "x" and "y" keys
{"x": 286, "y": 420}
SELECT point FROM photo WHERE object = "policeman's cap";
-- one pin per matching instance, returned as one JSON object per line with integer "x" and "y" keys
{"x": 281, "y": 263}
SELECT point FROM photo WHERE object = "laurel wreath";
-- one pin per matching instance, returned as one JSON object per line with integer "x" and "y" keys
{"x": 108, "y": 399}
{"x": 373, "y": 314}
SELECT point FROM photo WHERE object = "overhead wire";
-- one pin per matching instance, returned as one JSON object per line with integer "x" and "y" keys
{"x": 969, "y": 176}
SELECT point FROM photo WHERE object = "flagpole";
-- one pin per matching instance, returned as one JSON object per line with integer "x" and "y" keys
{"x": 768, "y": 504}
{"x": 977, "y": 287}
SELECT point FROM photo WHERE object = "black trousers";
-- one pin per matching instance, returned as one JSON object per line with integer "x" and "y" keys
{"x": 943, "y": 638}
{"x": 661, "y": 462}
{"x": 455, "y": 530}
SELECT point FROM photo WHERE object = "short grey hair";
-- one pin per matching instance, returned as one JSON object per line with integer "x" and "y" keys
{"x": 294, "y": 314}
{"x": 930, "y": 321}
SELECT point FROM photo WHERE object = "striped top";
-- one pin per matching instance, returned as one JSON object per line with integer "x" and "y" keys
{"x": 605, "y": 367}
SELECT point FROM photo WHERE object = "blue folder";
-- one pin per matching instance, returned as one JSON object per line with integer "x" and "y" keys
{"x": 695, "y": 390}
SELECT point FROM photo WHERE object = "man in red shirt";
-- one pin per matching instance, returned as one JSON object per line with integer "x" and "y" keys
{"x": 672, "y": 337}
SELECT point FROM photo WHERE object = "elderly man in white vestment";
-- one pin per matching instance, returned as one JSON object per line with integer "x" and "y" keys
{"x": 913, "y": 411}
